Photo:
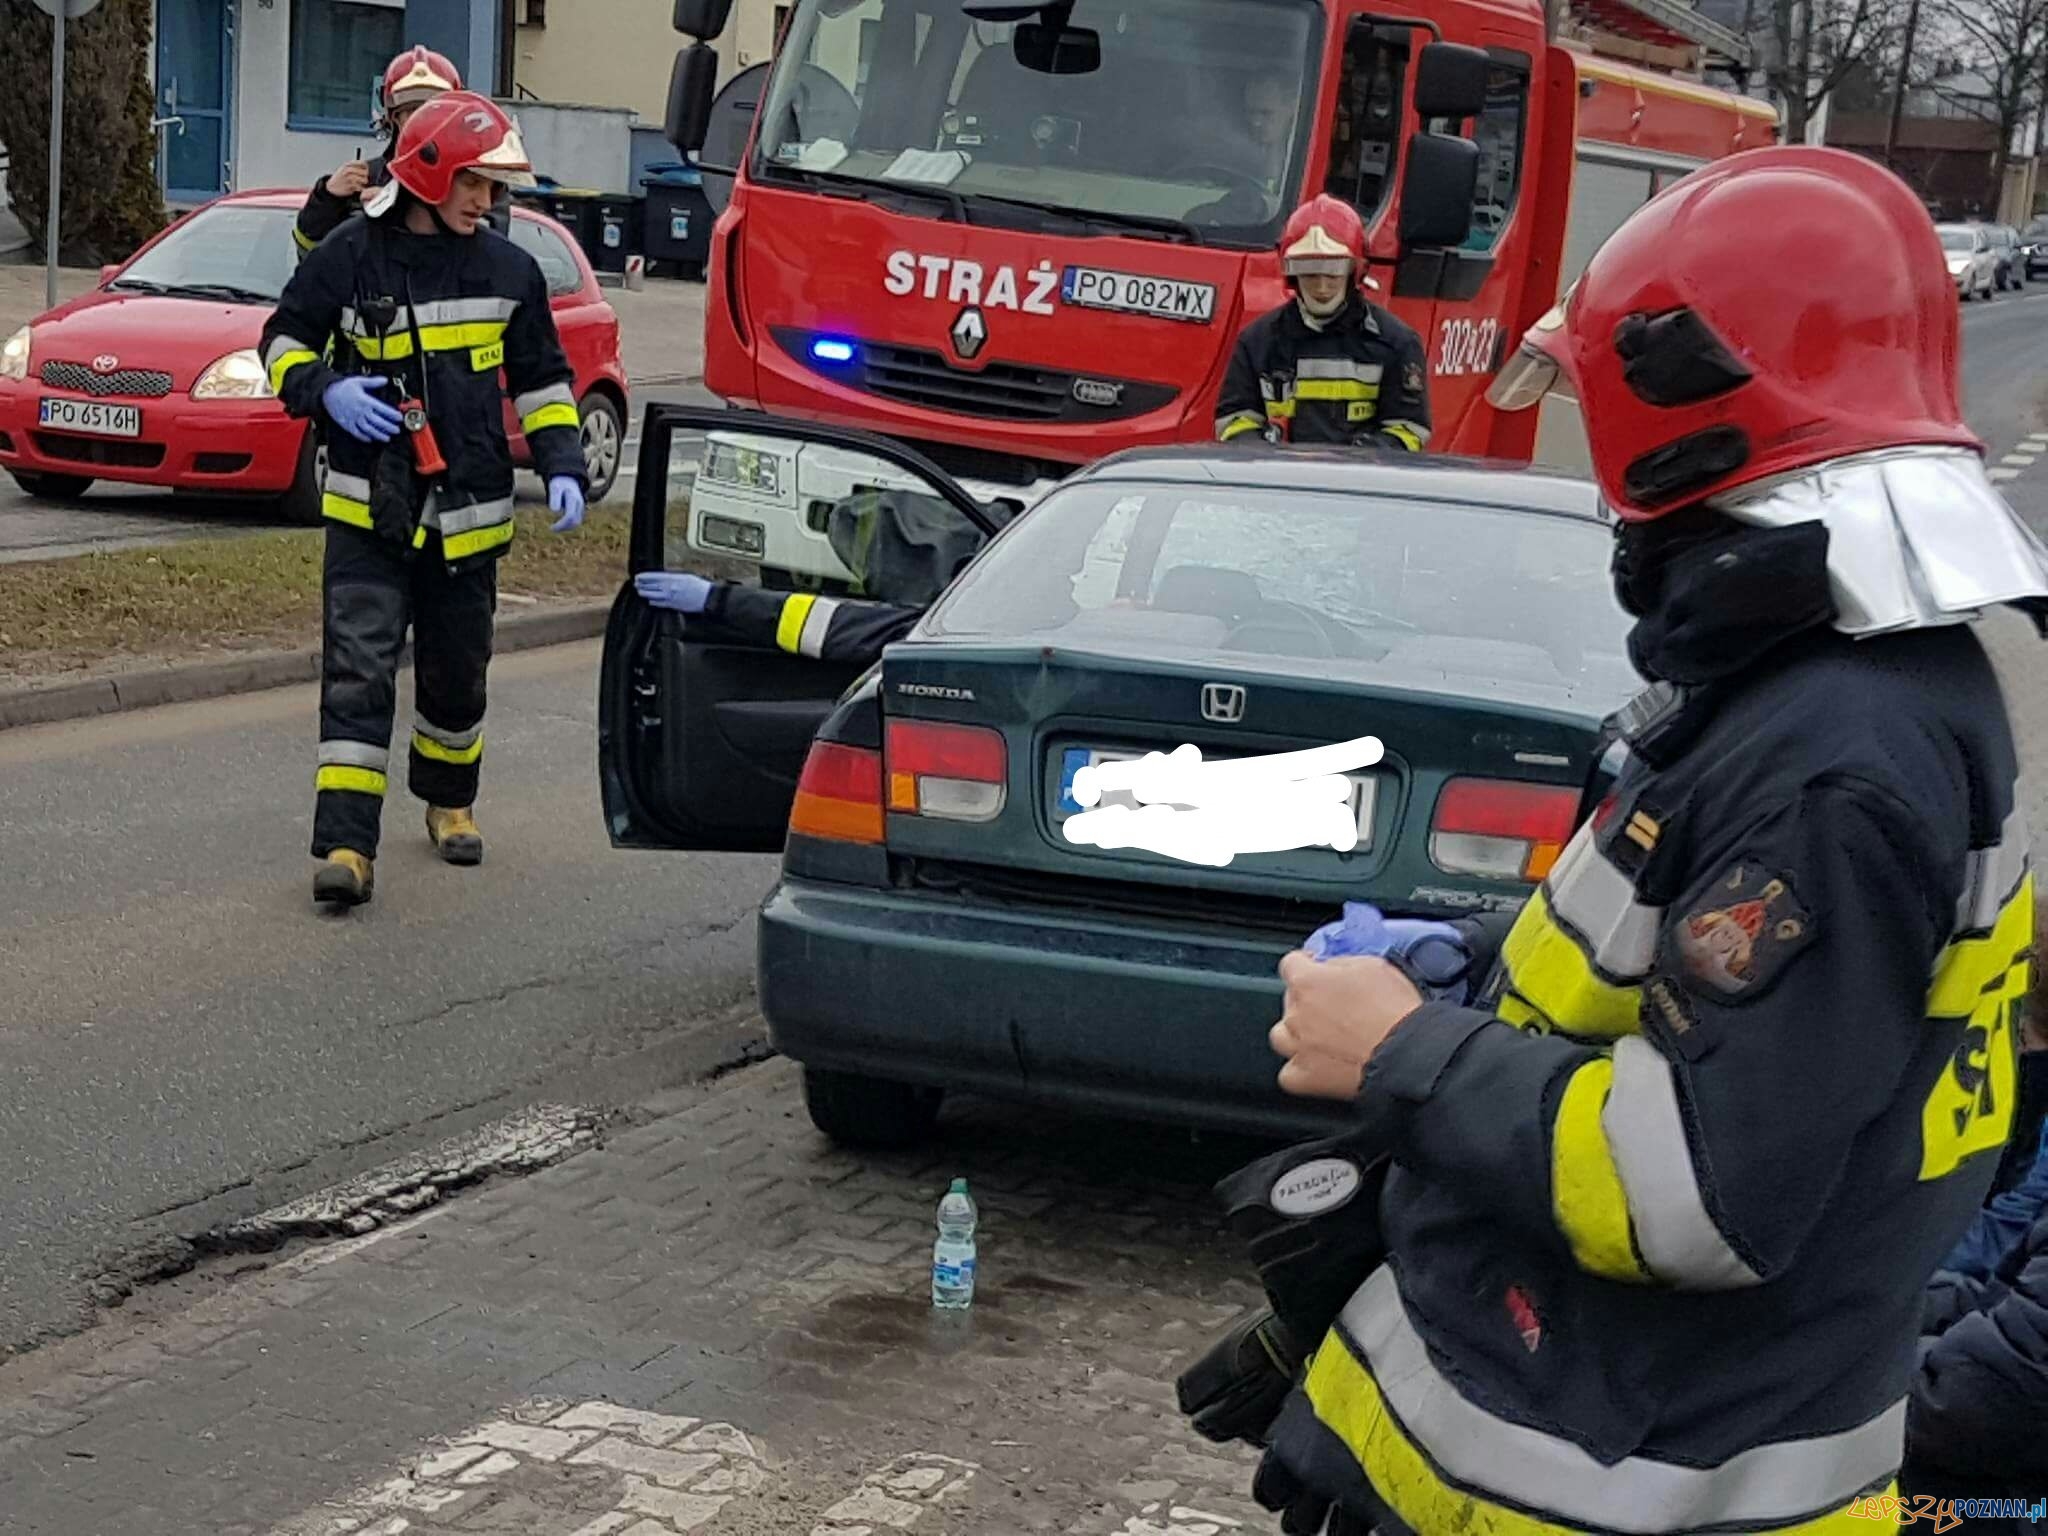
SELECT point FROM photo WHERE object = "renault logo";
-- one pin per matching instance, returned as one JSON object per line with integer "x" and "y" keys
{"x": 969, "y": 333}
{"x": 1223, "y": 703}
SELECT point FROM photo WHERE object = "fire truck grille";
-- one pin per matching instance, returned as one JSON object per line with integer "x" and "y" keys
{"x": 134, "y": 383}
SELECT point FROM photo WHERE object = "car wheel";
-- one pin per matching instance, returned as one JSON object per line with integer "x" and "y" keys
{"x": 51, "y": 487}
{"x": 300, "y": 506}
{"x": 870, "y": 1111}
{"x": 604, "y": 444}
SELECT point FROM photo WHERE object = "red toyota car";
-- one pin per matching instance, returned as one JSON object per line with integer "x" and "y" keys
{"x": 153, "y": 378}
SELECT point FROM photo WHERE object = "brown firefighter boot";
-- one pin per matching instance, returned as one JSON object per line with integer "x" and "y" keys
{"x": 344, "y": 879}
{"x": 455, "y": 834}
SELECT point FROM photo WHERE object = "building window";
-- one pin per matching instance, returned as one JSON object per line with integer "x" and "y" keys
{"x": 339, "y": 50}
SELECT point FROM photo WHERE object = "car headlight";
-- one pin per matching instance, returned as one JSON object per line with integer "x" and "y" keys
{"x": 14, "y": 355}
{"x": 238, "y": 376}
{"x": 730, "y": 464}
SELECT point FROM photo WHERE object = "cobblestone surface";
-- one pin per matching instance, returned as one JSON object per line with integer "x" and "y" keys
{"x": 715, "y": 1323}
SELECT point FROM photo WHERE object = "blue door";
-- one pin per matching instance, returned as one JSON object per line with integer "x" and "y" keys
{"x": 195, "y": 90}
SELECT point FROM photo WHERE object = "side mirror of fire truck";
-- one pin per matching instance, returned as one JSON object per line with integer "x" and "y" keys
{"x": 701, "y": 19}
{"x": 1450, "y": 80}
{"x": 691, "y": 84}
{"x": 1438, "y": 189}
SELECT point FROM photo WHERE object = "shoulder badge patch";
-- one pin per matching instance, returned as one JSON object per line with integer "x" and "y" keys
{"x": 1412, "y": 379}
{"x": 1743, "y": 931}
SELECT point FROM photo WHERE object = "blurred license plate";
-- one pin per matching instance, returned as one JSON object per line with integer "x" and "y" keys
{"x": 93, "y": 417}
{"x": 1077, "y": 758}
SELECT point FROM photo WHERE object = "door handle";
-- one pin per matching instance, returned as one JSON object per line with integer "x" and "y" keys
{"x": 163, "y": 122}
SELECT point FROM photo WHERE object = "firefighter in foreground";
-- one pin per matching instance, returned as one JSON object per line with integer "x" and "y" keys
{"x": 1654, "y": 1219}
{"x": 1330, "y": 366}
{"x": 425, "y": 306}
{"x": 411, "y": 80}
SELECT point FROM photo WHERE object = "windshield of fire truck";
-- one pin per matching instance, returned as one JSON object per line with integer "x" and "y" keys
{"x": 1188, "y": 117}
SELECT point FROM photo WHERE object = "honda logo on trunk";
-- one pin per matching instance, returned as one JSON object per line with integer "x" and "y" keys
{"x": 1223, "y": 703}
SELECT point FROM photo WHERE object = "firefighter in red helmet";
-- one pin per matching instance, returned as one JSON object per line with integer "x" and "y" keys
{"x": 1330, "y": 366}
{"x": 1654, "y": 1213}
{"x": 412, "y": 79}
{"x": 425, "y": 310}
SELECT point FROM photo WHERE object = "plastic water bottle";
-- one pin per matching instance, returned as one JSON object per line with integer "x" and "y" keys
{"x": 953, "y": 1253}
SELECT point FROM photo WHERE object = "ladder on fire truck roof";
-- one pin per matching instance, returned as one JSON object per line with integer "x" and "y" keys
{"x": 1669, "y": 35}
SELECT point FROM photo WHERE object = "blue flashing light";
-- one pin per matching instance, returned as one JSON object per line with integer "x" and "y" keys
{"x": 827, "y": 349}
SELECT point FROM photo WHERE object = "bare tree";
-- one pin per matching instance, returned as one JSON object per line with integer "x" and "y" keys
{"x": 2005, "y": 44}
{"x": 1808, "y": 48}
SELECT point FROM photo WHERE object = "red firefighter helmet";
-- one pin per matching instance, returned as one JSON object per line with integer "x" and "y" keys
{"x": 1324, "y": 237}
{"x": 455, "y": 132}
{"x": 417, "y": 76}
{"x": 1772, "y": 311}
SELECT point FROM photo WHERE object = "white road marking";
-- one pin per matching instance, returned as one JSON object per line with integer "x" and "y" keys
{"x": 1998, "y": 476}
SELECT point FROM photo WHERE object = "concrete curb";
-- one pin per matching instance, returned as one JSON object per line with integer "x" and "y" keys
{"x": 43, "y": 704}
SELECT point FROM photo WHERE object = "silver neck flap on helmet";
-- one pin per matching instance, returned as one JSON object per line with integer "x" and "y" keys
{"x": 1917, "y": 536}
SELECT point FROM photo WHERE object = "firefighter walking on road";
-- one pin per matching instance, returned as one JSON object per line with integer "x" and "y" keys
{"x": 1658, "y": 1213}
{"x": 1330, "y": 366}
{"x": 424, "y": 306}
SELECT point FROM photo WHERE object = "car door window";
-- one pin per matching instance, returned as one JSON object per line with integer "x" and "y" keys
{"x": 1367, "y": 124}
{"x": 557, "y": 262}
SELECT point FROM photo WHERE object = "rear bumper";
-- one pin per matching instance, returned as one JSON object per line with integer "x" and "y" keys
{"x": 230, "y": 447}
{"x": 1097, "y": 1014}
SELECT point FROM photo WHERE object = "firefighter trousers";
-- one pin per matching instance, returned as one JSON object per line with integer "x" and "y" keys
{"x": 370, "y": 593}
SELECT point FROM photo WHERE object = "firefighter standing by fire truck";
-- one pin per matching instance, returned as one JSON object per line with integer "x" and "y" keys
{"x": 420, "y": 298}
{"x": 1330, "y": 366}
{"x": 1654, "y": 1219}
{"x": 411, "y": 80}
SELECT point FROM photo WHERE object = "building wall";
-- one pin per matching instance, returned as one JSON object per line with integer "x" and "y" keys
{"x": 618, "y": 53}
{"x": 267, "y": 154}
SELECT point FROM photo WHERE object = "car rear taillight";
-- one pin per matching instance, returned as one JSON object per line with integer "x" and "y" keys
{"x": 839, "y": 795}
{"x": 1501, "y": 829}
{"x": 954, "y": 772}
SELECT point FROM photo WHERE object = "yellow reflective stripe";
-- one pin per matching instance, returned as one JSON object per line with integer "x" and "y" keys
{"x": 1335, "y": 389}
{"x": 1553, "y": 986}
{"x": 1981, "y": 982}
{"x": 306, "y": 242}
{"x": 1586, "y": 1193}
{"x": 550, "y": 416}
{"x": 435, "y": 338}
{"x": 1238, "y": 425}
{"x": 462, "y": 545}
{"x": 1402, "y": 432}
{"x": 342, "y": 510}
{"x": 1349, "y": 1402}
{"x": 286, "y": 362}
{"x": 1969, "y": 967}
{"x": 789, "y": 629}
{"x": 1279, "y": 410}
{"x": 355, "y": 781}
{"x": 462, "y": 757}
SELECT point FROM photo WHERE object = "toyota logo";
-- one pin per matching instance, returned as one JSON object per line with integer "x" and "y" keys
{"x": 106, "y": 362}
{"x": 969, "y": 333}
{"x": 1223, "y": 703}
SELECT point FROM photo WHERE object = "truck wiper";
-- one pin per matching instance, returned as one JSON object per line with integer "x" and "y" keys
{"x": 1073, "y": 220}
{"x": 867, "y": 189}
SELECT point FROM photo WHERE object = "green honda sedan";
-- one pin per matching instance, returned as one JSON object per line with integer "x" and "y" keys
{"x": 937, "y": 926}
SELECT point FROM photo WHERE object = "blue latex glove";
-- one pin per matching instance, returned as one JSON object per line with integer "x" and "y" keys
{"x": 565, "y": 496}
{"x": 679, "y": 591}
{"x": 353, "y": 406}
{"x": 1432, "y": 955}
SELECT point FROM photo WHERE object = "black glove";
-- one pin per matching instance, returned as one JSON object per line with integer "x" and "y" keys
{"x": 396, "y": 496}
{"x": 1234, "y": 1391}
{"x": 1301, "y": 1512}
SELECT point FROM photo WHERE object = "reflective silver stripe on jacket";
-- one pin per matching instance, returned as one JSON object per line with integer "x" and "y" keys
{"x": 1993, "y": 874}
{"x": 480, "y": 514}
{"x": 1419, "y": 431}
{"x": 811, "y": 641}
{"x": 1338, "y": 368}
{"x": 454, "y": 741}
{"x": 1597, "y": 903}
{"x": 354, "y": 754}
{"x": 438, "y": 312}
{"x": 1645, "y": 1132}
{"x": 354, "y": 487}
{"x": 1781, "y": 1483}
{"x": 554, "y": 394}
{"x": 282, "y": 344}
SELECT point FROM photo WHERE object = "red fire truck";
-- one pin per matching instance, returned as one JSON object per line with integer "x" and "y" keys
{"x": 1020, "y": 236}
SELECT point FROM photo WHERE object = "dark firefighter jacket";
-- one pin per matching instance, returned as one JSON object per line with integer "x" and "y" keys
{"x": 1360, "y": 378}
{"x": 324, "y": 213}
{"x": 1977, "y": 1426}
{"x": 803, "y": 624}
{"x": 1662, "y": 1209}
{"x": 482, "y": 306}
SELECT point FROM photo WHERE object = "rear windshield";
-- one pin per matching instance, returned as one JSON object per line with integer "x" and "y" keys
{"x": 1418, "y": 594}
{"x": 1959, "y": 239}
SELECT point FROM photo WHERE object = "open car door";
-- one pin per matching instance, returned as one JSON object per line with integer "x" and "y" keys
{"x": 701, "y": 739}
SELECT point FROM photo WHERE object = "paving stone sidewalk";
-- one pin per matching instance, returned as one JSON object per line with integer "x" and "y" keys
{"x": 715, "y": 1323}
